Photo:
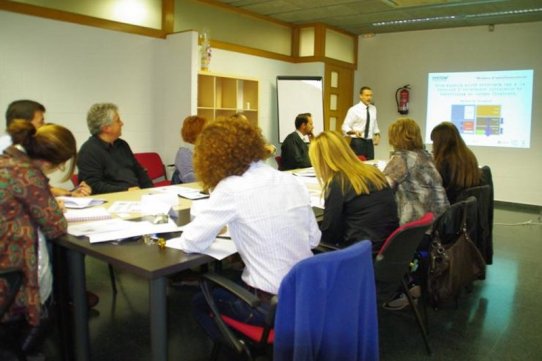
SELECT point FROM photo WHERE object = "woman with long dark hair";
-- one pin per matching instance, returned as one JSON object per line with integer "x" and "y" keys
{"x": 455, "y": 162}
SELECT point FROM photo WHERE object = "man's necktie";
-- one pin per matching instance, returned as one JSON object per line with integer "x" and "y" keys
{"x": 366, "y": 133}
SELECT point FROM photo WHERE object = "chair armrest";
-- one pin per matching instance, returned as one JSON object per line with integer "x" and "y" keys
{"x": 326, "y": 247}
{"x": 270, "y": 318}
{"x": 239, "y": 291}
{"x": 8, "y": 270}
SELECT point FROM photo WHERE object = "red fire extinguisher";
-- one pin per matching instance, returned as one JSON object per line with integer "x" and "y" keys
{"x": 402, "y": 96}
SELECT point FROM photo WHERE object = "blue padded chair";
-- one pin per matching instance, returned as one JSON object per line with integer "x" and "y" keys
{"x": 326, "y": 311}
{"x": 327, "y": 308}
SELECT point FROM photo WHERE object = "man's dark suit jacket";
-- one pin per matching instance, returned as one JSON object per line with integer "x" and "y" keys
{"x": 294, "y": 152}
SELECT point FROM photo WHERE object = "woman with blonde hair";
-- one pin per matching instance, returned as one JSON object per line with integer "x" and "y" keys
{"x": 455, "y": 162}
{"x": 359, "y": 204}
{"x": 29, "y": 215}
{"x": 412, "y": 173}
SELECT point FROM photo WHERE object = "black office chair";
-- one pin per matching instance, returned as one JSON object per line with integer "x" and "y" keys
{"x": 12, "y": 279}
{"x": 483, "y": 237}
{"x": 245, "y": 340}
{"x": 392, "y": 264}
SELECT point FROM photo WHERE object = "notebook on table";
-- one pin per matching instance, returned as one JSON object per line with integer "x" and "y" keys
{"x": 87, "y": 215}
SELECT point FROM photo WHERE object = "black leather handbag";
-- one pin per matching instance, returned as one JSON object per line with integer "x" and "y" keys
{"x": 453, "y": 266}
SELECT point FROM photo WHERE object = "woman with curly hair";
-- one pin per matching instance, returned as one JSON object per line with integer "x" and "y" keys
{"x": 268, "y": 213}
{"x": 359, "y": 203}
{"x": 455, "y": 162}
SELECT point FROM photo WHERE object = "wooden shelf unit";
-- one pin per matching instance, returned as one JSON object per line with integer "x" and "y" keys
{"x": 223, "y": 96}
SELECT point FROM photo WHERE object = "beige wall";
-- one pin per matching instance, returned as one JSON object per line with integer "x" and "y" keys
{"x": 389, "y": 61}
{"x": 146, "y": 13}
{"x": 232, "y": 27}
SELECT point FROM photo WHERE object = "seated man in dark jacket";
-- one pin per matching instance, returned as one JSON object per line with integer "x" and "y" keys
{"x": 106, "y": 162}
{"x": 295, "y": 151}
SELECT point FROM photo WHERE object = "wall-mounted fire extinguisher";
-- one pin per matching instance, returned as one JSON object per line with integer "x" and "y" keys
{"x": 402, "y": 96}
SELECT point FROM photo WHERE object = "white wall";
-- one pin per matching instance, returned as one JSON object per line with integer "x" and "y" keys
{"x": 69, "y": 67}
{"x": 175, "y": 95}
{"x": 389, "y": 61}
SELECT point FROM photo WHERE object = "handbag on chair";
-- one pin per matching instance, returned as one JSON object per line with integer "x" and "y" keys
{"x": 453, "y": 266}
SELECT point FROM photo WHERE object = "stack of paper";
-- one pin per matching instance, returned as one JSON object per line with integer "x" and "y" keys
{"x": 190, "y": 193}
{"x": 117, "y": 229}
{"x": 80, "y": 202}
{"x": 308, "y": 172}
{"x": 125, "y": 207}
{"x": 219, "y": 249}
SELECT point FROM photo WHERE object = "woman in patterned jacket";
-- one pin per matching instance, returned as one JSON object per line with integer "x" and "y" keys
{"x": 29, "y": 214}
{"x": 412, "y": 173}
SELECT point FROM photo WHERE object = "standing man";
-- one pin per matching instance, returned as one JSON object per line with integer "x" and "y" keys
{"x": 105, "y": 161}
{"x": 294, "y": 150}
{"x": 361, "y": 126}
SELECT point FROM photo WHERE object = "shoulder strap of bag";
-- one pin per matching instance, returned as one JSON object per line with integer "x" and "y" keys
{"x": 464, "y": 219}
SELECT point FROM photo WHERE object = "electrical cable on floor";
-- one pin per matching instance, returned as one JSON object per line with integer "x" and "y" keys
{"x": 526, "y": 223}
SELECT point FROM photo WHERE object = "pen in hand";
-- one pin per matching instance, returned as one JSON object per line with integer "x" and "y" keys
{"x": 82, "y": 190}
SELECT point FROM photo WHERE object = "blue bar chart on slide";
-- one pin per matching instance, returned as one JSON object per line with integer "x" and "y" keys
{"x": 489, "y": 108}
{"x": 477, "y": 120}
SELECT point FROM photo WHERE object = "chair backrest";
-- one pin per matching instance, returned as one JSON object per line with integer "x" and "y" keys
{"x": 393, "y": 260}
{"x": 487, "y": 179}
{"x": 153, "y": 165}
{"x": 278, "y": 159}
{"x": 448, "y": 223}
{"x": 327, "y": 308}
{"x": 483, "y": 237}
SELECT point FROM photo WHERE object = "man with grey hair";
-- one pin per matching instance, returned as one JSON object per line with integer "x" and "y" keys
{"x": 105, "y": 161}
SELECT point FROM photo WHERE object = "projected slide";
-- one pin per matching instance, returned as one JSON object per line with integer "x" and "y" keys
{"x": 490, "y": 108}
